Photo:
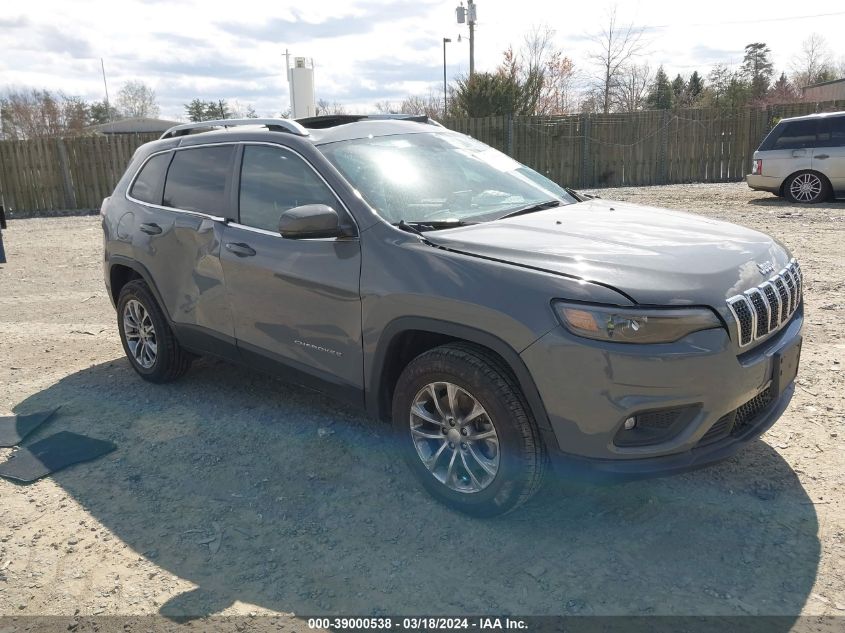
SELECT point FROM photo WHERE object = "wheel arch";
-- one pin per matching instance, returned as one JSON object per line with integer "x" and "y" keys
{"x": 407, "y": 337}
{"x": 122, "y": 270}
{"x": 782, "y": 191}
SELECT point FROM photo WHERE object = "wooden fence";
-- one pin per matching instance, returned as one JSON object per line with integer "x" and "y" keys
{"x": 63, "y": 173}
{"x": 637, "y": 148}
{"x": 585, "y": 150}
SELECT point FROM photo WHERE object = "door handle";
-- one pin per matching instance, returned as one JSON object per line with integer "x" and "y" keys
{"x": 821, "y": 156}
{"x": 150, "y": 229}
{"x": 240, "y": 249}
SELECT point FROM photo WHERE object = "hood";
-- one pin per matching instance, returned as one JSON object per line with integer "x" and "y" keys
{"x": 655, "y": 256}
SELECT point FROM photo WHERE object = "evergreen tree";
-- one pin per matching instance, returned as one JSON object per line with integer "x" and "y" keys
{"x": 100, "y": 112}
{"x": 783, "y": 91}
{"x": 678, "y": 91}
{"x": 727, "y": 89}
{"x": 757, "y": 69}
{"x": 695, "y": 86}
{"x": 660, "y": 96}
{"x": 195, "y": 110}
{"x": 486, "y": 94}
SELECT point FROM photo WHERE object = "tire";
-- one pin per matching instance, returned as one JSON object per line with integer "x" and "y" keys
{"x": 458, "y": 475}
{"x": 806, "y": 187}
{"x": 160, "y": 359}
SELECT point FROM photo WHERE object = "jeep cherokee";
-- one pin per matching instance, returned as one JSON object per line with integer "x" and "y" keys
{"x": 498, "y": 321}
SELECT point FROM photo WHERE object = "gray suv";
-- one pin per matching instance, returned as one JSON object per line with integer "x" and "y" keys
{"x": 499, "y": 322}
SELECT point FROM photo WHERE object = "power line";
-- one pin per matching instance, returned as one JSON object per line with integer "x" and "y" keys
{"x": 754, "y": 21}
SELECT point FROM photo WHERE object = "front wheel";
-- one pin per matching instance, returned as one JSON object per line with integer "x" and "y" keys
{"x": 466, "y": 432}
{"x": 806, "y": 187}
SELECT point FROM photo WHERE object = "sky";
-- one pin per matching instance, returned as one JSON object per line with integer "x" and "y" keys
{"x": 364, "y": 50}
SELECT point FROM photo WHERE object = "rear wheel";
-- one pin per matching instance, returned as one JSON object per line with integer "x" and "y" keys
{"x": 466, "y": 432}
{"x": 148, "y": 341}
{"x": 806, "y": 187}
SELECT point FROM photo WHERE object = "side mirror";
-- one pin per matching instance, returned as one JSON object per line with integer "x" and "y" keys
{"x": 310, "y": 221}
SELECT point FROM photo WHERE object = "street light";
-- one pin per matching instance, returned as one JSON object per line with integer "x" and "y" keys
{"x": 446, "y": 40}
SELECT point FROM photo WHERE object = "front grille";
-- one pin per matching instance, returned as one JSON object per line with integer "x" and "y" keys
{"x": 739, "y": 419}
{"x": 762, "y": 310}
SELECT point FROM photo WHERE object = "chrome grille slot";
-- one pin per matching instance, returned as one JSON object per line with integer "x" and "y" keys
{"x": 761, "y": 309}
{"x": 783, "y": 293}
{"x": 774, "y": 305}
{"x": 790, "y": 283}
{"x": 764, "y": 309}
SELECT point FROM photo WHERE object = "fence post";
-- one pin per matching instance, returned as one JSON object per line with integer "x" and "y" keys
{"x": 509, "y": 135}
{"x": 585, "y": 150}
{"x": 67, "y": 181}
{"x": 664, "y": 147}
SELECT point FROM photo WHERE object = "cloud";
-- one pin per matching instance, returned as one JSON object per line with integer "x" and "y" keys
{"x": 58, "y": 41}
{"x": 13, "y": 23}
{"x": 710, "y": 54}
{"x": 211, "y": 67}
{"x": 292, "y": 31}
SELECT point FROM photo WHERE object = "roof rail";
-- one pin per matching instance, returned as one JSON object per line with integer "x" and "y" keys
{"x": 274, "y": 125}
{"x": 331, "y": 120}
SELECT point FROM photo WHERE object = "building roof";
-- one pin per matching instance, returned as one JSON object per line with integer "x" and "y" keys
{"x": 135, "y": 125}
{"x": 825, "y": 83}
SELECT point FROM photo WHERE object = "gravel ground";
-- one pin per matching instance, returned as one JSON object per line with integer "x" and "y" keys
{"x": 233, "y": 493}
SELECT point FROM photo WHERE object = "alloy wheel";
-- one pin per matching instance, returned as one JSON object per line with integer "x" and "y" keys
{"x": 140, "y": 333}
{"x": 454, "y": 437}
{"x": 806, "y": 187}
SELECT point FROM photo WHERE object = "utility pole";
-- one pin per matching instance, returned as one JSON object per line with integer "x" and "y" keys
{"x": 106, "y": 87}
{"x": 471, "y": 7}
{"x": 468, "y": 15}
{"x": 446, "y": 40}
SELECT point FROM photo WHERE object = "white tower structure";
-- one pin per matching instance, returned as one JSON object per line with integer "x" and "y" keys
{"x": 301, "y": 86}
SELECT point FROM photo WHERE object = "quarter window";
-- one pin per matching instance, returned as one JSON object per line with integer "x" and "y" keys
{"x": 274, "y": 180}
{"x": 197, "y": 180}
{"x": 797, "y": 135}
{"x": 149, "y": 184}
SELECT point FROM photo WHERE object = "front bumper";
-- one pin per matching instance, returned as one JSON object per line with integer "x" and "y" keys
{"x": 764, "y": 183}
{"x": 590, "y": 388}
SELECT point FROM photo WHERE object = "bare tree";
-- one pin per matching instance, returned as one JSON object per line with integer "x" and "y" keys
{"x": 33, "y": 113}
{"x": 547, "y": 74}
{"x": 238, "y": 110}
{"x": 324, "y": 107}
{"x": 814, "y": 63}
{"x": 386, "y": 107}
{"x": 615, "y": 47}
{"x": 136, "y": 100}
{"x": 430, "y": 105}
{"x": 631, "y": 88}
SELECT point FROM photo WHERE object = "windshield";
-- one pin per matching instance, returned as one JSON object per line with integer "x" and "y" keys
{"x": 440, "y": 178}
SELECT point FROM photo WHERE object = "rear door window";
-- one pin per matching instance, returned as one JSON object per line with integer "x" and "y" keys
{"x": 274, "y": 180}
{"x": 149, "y": 184}
{"x": 797, "y": 135}
{"x": 198, "y": 180}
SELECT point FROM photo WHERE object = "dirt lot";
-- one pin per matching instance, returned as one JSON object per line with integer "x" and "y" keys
{"x": 233, "y": 493}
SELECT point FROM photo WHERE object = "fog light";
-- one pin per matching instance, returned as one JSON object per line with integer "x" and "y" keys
{"x": 630, "y": 423}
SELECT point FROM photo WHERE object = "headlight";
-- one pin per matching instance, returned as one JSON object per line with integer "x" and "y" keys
{"x": 634, "y": 325}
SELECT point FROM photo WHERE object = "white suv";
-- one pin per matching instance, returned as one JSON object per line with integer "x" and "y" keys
{"x": 802, "y": 159}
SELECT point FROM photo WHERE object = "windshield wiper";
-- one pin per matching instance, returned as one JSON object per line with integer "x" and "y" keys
{"x": 419, "y": 226}
{"x": 537, "y": 206}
